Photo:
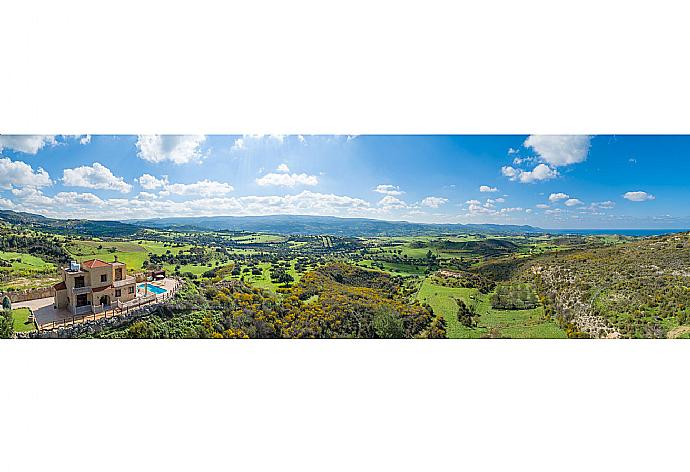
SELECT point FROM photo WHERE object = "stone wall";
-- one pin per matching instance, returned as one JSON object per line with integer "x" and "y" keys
{"x": 90, "y": 327}
{"x": 26, "y": 295}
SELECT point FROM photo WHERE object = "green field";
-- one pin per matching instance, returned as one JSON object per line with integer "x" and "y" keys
{"x": 21, "y": 322}
{"x": 503, "y": 323}
{"x": 26, "y": 272}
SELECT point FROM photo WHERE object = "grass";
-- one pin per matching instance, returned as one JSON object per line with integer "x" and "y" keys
{"x": 26, "y": 272}
{"x": 21, "y": 322}
{"x": 25, "y": 262}
{"x": 505, "y": 323}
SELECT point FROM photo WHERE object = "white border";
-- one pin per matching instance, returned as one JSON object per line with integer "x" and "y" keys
{"x": 348, "y": 67}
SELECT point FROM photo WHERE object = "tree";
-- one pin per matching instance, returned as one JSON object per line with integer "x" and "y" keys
{"x": 285, "y": 279}
{"x": 388, "y": 324}
{"x": 467, "y": 315}
{"x": 6, "y": 324}
{"x": 6, "y": 303}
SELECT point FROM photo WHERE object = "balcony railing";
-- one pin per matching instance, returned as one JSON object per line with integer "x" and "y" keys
{"x": 81, "y": 290}
{"x": 82, "y": 310}
{"x": 126, "y": 281}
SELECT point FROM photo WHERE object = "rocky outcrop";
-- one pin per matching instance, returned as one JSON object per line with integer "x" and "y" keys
{"x": 571, "y": 304}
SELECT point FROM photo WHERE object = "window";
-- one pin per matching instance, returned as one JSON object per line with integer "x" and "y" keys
{"x": 118, "y": 293}
{"x": 78, "y": 282}
{"x": 131, "y": 289}
{"x": 104, "y": 278}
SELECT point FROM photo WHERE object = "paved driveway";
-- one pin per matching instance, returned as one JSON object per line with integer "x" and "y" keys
{"x": 43, "y": 310}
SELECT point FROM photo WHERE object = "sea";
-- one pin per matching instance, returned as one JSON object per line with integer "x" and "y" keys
{"x": 621, "y": 232}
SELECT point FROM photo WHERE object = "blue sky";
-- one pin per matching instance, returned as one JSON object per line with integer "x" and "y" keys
{"x": 546, "y": 181}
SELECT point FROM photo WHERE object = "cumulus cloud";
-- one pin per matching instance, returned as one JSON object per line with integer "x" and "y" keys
{"x": 434, "y": 202}
{"x": 205, "y": 188}
{"x": 539, "y": 173}
{"x": 607, "y": 205}
{"x": 638, "y": 196}
{"x": 389, "y": 202}
{"x": 573, "y": 202}
{"x": 283, "y": 168}
{"x": 554, "y": 197}
{"x": 542, "y": 206}
{"x": 179, "y": 149}
{"x": 287, "y": 180}
{"x": 28, "y": 144}
{"x": 21, "y": 174}
{"x": 149, "y": 182}
{"x": 71, "y": 204}
{"x": 560, "y": 150}
{"x": 487, "y": 189}
{"x": 388, "y": 189}
{"x": 96, "y": 176}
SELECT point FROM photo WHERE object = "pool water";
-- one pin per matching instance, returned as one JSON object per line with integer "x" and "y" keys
{"x": 151, "y": 288}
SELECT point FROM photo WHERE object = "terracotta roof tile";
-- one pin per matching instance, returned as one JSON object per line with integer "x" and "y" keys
{"x": 90, "y": 264}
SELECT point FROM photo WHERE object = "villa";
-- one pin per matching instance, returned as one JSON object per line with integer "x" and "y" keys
{"x": 94, "y": 286}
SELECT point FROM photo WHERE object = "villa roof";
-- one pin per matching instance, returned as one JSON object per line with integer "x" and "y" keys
{"x": 60, "y": 286}
{"x": 100, "y": 289}
{"x": 93, "y": 263}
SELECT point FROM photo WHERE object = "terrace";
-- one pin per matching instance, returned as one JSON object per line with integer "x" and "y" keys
{"x": 48, "y": 317}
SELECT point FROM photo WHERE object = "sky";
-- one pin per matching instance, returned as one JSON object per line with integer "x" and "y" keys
{"x": 566, "y": 182}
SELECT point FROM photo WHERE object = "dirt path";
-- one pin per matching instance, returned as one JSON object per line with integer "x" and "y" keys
{"x": 677, "y": 332}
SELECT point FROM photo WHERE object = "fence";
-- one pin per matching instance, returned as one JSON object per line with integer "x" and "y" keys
{"x": 116, "y": 310}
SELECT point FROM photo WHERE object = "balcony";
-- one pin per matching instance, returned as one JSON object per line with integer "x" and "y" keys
{"x": 126, "y": 281}
{"x": 81, "y": 290}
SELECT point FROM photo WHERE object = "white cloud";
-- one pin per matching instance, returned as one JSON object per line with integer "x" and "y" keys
{"x": 149, "y": 182}
{"x": 86, "y": 139}
{"x": 539, "y": 173}
{"x": 252, "y": 140}
{"x": 287, "y": 180}
{"x": 96, "y": 176}
{"x": 389, "y": 202}
{"x": 388, "y": 189}
{"x": 71, "y": 205}
{"x": 638, "y": 196}
{"x": 473, "y": 202}
{"x": 26, "y": 143}
{"x": 560, "y": 150}
{"x": 434, "y": 202}
{"x": 21, "y": 174}
{"x": 573, "y": 202}
{"x": 178, "y": 149}
{"x": 147, "y": 196}
{"x": 487, "y": 189}
{"x": 554, "y": 197}
{"x": 283, "y": 168}
{"x": 204, "y": 188}
{"x": 542, "y": 206}
{"x": 607, "y": 205}
{"x": 500, "y": 200}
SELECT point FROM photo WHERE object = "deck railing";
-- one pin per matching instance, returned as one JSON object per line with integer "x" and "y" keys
{"x": 118, "y": 308}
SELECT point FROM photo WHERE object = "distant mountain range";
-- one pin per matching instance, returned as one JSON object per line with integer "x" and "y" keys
{"x": 70, "y": 226}
{"x": 278, "y": 224}
{"x": 301, "y": 224}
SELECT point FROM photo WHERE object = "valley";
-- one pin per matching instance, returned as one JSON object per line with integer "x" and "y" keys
{"x": 471, "y": 284}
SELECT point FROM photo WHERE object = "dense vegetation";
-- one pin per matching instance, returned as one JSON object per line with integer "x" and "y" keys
{"x": 467, "y": 285}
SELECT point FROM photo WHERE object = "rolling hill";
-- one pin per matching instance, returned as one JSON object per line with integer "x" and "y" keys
{"x": 311, "y": 225}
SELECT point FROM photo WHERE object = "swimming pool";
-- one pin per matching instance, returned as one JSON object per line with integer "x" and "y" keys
{"x": 151, "y": 288}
